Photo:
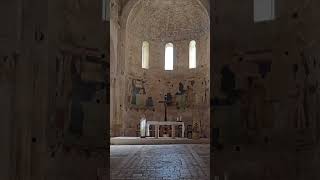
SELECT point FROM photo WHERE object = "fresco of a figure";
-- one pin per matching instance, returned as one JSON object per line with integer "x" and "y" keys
{"x": 181, "y": 101}
{"x": 189, "y": 96}
{"x": 82, "y": 91}
{"x": 149, "y": 102}
{"x": 141, "y": 98}
{"x": 138, "y": 93}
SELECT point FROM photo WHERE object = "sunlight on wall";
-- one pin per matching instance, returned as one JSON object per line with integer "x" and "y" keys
{"x": 192, "y": 55}
{"x": 145, "y": 55}
{"x": 169, "y": 57}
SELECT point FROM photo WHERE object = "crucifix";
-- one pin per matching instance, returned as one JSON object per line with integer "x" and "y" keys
{"x": 165, "y": 102}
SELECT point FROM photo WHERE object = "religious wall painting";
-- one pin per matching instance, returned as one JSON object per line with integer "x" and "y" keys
{"x": 76, "y": 123}
{"x": 181, "y": 102}
{"x": 169, "y": 99}
{"x": 190, "y": 100}
{"x": 4, "y": 68}
{"x": 83, "y": 90}
{"x": 59, "y": 119}
{"x": 65, "y": 125}
{"x": 60, "y": 63}
{"x": 206, "y": 93}
{"x": 129, "y": 98}
{"x": 310, "y": 87}
{"x": 295, "y": 69}
{"x": 264, "y": 68}
{"x": 140, "y": 99}
{"x": 149, "y": 103}
{"x": 181, "y": 89}
{"x": 138, "y": 93}
{"x": 192, "y": 82}
{"x": 205, "y": 88}
{"x": 181, "y": 99}
{"x": 227, "y": 87}
{"x": 134, "y": 91}
{"x": 227, "y": 80}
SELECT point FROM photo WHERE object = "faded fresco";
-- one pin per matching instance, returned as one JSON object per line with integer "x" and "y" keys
{"x": 248, "y": 104}
{"x": 75, "y": 91}
{"x": 181, "y": 97}
{"x": 138, "y": 93}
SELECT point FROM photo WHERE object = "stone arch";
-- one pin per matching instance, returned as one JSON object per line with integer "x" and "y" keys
{"x": 129, "y": 6}
{"x": 126, "y": 13}
{"x": 129, "y": 11}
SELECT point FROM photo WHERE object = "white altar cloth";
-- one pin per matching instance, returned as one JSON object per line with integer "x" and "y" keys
{"x": 166, "y": 123}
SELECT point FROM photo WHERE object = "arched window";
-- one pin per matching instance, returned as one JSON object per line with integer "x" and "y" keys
{"x": 192, "y": 55}
{"x": 169, "y": 57}
{"x": 264, "y": 10}
{"x": 145, "y": 55}
{"x": 105, "y": 10}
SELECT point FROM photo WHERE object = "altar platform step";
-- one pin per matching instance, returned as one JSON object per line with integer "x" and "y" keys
{"x": 154, "y": 141}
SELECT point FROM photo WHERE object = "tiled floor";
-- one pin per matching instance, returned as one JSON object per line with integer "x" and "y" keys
{"x": 187, "y": 161}
{"x": 154, "y": 141}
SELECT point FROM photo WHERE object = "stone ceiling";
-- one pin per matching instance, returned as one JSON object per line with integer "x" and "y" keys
{"x": 168, "y": 20}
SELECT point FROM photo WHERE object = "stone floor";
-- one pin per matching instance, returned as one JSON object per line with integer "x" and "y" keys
{"x": 179, "y": 161}
{"x": 154, "y": 141}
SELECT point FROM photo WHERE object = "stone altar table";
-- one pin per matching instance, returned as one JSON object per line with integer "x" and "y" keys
{"x": 164, "y": 123}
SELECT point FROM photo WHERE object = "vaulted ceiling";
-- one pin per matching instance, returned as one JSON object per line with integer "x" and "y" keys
{"x": 168, "y": 20}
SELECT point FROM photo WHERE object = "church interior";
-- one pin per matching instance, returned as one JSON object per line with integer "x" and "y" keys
{"x": 159, "y": 89}
{"x": 154, "y": 74}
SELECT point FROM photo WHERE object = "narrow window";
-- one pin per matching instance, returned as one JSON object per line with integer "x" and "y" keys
{"x": 192, "y": 55}
{"x": 264, "y": 10}
{"x": 145, "y": 55}
{"x": 105, "y": 10}
{"x": 169, "y": 57}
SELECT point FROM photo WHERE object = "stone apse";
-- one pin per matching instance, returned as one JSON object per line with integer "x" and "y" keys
{"x": 136, "y": 91}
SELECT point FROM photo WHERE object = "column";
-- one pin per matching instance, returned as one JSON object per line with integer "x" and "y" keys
{"x": 173, "y": 131}
{"x": 182, "y": 130}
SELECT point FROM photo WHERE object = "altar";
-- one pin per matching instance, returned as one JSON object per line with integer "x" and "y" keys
{"x": 157, "y": 125}
{"x": 145, "y": 125}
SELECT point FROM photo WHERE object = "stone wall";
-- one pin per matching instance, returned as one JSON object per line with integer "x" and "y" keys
{"x": 116, "y": 73}
{"x": 24, "y": 61}
{"x": 8, "y": 43}
{"x": 77, "y": 128}
{"x": 264, "y": 87}
{"x": 50, "y": 53}
{"x": 156, "y": 82}
{"x": 266, "y": 73}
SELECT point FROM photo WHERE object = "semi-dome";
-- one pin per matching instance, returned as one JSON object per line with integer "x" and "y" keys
{"x": 168, "y": 20}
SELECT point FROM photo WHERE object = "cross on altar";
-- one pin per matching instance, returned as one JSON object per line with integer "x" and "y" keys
{"x": 165, "y": 102}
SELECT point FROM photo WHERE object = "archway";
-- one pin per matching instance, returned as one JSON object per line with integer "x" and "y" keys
{"x": 175, "y": 101}
{"x": 160, "y": 22}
